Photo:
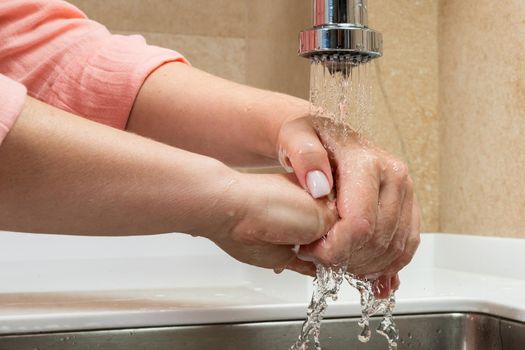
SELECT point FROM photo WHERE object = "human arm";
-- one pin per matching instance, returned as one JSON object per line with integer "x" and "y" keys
{"x": 378, "y": 231}
{"x": 185, "y": 107}
{"x": 63, "y": 174}
{"x": 111, "y": 70}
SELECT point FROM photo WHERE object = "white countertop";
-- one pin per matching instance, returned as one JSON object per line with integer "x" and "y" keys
{"x": 58, "y": 283}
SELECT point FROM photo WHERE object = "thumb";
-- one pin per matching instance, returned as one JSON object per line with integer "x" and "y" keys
{"x": 302, "y": 150}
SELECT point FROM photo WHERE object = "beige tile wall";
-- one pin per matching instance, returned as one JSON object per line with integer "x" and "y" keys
{"x": 405, "y": 82}
{"x": 272, "y": 59}
{"x": 482, "y": 99}
{"x": 255, "y": 42}
{"x": 210, "y": 33}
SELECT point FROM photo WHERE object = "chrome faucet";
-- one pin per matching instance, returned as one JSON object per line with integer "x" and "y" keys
{"x": 340, "y": 32}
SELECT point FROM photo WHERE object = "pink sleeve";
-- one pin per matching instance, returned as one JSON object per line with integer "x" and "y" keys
{"x": 73, "y": 63}
{"x": 12, "y": 99}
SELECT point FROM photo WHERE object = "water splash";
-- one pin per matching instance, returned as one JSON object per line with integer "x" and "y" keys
{"x": 340, "y": 100}
{"x": 371, "y": 306}
{"x": 326, "y": 286}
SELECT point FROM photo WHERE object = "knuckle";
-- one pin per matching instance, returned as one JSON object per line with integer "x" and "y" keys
{"x": 309, "y": 152}
{"x": 363, "y": 228}
{"x": 400, "y": 263}
{"x": 416, "y": 240}
{"x": 370, "y": 160}
{"x": 400, "y": 171}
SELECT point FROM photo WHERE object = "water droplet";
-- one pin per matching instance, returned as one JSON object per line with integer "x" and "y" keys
{"x": 278, "y": 271}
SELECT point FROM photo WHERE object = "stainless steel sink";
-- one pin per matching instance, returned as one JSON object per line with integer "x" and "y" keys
{"x": 438, "y": 331}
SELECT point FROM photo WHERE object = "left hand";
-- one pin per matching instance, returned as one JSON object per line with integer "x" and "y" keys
{"x": 378, "y": 231}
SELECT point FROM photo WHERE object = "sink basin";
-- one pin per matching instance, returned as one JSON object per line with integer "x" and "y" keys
{"x": 181, "y": 293}
{"x": 461, "y": 331}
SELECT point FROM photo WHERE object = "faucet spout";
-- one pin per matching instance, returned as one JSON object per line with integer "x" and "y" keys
{"x": 340, "y": 30}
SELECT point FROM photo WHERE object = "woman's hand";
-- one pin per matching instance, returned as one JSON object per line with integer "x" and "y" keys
{"x": 60, "y": 173}
{"x": 378, "y": 230}
{"x": 243, "y": 126}
{"x": 273, "y": 215}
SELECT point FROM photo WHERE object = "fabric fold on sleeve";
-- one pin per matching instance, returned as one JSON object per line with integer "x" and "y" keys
{"x": 103, "y": 77}
{"x": 73, "y": 63}
{"x": 13, "y": 97}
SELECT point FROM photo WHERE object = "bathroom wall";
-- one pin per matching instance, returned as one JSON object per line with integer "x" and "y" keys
{"x": 482, "y": 106}
{"x": 255, "y": 42}
{"x": 405, "y": 82}
{"x": 211, "y": 33}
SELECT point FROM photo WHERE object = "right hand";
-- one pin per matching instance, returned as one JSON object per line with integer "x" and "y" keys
{"x": 274, "y": 214}
{"x": 378, "y": 230}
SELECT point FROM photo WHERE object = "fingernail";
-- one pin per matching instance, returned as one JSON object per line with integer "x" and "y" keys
{"x": 302, "y": 255}
{"x": 305, "y": 258}
{"x": 317, "y": 183}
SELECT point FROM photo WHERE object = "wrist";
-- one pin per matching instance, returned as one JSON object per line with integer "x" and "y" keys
{"x": 224, "y": 201}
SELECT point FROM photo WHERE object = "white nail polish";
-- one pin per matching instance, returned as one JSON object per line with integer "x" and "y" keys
{"x": 317, "y": 183}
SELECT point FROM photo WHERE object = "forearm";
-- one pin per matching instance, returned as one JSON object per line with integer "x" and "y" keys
{"x": 63, "y": 174}
{"x": 187, "y": 108}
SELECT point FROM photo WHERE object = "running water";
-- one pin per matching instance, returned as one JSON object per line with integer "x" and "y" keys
{"x": 326, "y": 286}
{"x": 371, "y": 306}
{"x": 340, "y": 100}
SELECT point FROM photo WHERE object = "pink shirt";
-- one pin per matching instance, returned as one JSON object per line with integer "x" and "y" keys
{"x": 53, "y": 50}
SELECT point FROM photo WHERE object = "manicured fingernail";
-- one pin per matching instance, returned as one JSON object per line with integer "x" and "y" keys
{"x": 317, "y": 183}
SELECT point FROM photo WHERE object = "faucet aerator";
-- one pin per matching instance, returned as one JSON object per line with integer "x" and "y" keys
{"x": 341, "y": 34}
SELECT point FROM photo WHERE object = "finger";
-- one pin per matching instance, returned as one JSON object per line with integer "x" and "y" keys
{"x": 392, "y": 195}
{"x": 303, "y": 151}
{"x": 381, "y": 249}
{"x": 260, "y": 254}
{"x": 382, "y": 287}
{"x": 357, "y": 200}
{"x": 412, "y": 243}
{"x": 302, "y": 267}
{"x": 397, "y": 245}
{"x": 395, "y": 282}
{"x": 286, "y": 214}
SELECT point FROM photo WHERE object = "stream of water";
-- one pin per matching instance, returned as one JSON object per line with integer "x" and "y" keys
{"x": 340, "y": 100}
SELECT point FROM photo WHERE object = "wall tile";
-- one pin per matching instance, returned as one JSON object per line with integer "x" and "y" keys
{"x": 405, "y": 84}
{"x": 482, "y": 99}
{"x": 220, "y": 56}
{"x": 202, "y": 17}
{"x": 272, "y": 45}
